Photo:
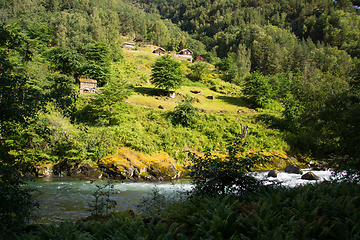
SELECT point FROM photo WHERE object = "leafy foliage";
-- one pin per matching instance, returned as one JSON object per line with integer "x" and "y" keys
{"x": 106, "y": 106}
{"x": 97, "y": 64}
{"x": 257, "y": 89}
{"x": 198, "y": 71}
{"x": 323, "y": 211}
{"x": 185, "y": 113}
{"x": 16, "y": 202}
{"x": 166, "y": 73}
{"x": 20, "y": 102}
{"x": 66, "y": 60}
{"x": 63, "y": 93}
{"x": 213, "y": 175}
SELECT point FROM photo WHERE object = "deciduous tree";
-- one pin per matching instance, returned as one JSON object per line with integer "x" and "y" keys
{"x": 166, "y": 73}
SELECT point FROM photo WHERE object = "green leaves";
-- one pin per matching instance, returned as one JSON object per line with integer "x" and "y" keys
{"x": 166, "y": 73}
{"x": 65, "y": 60}
{"x": 20, "y": 100}
{"x": 199, "y": 70}
{"x": 92, "y": 61}
{"x": 185, "y": 114}
{"x": 216, "y": 175}
{"x": 257, "y": 89}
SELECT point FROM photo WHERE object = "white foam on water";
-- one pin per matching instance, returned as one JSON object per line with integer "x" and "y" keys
{"x": 292, "y": 179}
{"x": 69, "y": 198}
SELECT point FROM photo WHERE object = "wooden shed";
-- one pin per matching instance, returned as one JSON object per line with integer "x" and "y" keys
{"x": 200, "y": 58}
{"x": 185, "y": 52}
{"x": 87, "y": 84}
{"x": 129, "y": 45}
{"x": 159, "y": 51}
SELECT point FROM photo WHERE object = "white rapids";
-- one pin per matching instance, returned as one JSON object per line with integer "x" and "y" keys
{"x": 68, "y": 198}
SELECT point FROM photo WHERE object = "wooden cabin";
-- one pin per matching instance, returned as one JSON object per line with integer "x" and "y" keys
{"x": 185, "y": 52}
{"x": 87, "y": 84}
{"x": 159, "y": 51}
{"x": 200, "y": 58}
{"x": 129, "y": 45}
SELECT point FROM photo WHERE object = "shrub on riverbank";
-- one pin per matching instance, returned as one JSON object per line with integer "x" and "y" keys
{"x": 326, "y": 210}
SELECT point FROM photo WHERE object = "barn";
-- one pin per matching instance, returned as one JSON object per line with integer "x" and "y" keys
{"x": 159, "y": 51}
{"x": 200, "y": 58}
{"x": 185, "y": 52}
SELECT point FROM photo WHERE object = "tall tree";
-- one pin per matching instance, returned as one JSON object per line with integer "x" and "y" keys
{"x": 159, "y": 33}
{"x": 66, "y": 60}
{"x": 20, "y": 101}
{"x": 166, "y": 73}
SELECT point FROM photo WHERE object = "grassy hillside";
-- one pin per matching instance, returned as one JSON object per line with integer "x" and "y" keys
{"x": 136, "y": 70}
{"x": 143, "y": 123}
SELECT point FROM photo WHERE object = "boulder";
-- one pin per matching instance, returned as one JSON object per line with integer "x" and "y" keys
{"x": 86, "y": 171}
{"x": 293, "y": 169}
{"x": 128, "y": 164}
{"x": 273, "y": 173}
{"x": 310, "y": 176}
{"x": 44, "y": 170}
{"x": 195, "y": 91}
{"x": 63, "y": 169}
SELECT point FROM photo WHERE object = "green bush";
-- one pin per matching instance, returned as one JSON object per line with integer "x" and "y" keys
{"x": 185, "y": 113}
{"x": 213, "y": 174}
{"x": 16, "y": 202}
{"x": 257, "y": 88}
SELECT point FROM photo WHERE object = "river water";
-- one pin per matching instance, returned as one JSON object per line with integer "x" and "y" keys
{"x": 68, "y": 198}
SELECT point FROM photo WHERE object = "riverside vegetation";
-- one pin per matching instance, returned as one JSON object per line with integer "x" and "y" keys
{"x": 288, "y": 70}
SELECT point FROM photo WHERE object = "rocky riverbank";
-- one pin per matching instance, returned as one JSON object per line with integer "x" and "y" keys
{"x": 127, "y": 164}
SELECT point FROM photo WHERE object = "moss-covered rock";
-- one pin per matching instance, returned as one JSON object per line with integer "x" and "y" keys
{"x": 45, "y": 170}
{"x": 128, "y": 164}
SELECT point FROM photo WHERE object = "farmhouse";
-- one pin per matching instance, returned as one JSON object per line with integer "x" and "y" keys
{"x": 185, "y": 53}
{"x": 200, "y": 58}
{"x": 159, "y": 51}
{"x": 87, "y": 84}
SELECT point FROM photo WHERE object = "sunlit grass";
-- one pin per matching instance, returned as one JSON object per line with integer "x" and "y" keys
{"x": 146, "y": 125}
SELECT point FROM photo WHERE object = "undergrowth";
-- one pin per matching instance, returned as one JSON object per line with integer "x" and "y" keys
{"x": 151, "y": 130}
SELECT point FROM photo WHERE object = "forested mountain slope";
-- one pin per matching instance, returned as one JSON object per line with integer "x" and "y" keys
{"x": 299, "y": 55}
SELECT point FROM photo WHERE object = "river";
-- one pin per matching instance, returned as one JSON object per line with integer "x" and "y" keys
{"x": 68, "y": 198}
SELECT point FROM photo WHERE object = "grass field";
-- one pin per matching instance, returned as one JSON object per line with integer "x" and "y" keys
{"x": 145, "y": 124}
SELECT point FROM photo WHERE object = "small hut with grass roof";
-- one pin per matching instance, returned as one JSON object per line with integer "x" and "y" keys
{"x": 86, "y": 84}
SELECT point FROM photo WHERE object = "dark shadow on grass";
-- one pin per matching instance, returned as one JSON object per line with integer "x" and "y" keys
{"x": 150, "y": 91}
{"x": 237, "y": 101}
{"x": 272, "y": 121}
